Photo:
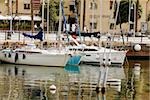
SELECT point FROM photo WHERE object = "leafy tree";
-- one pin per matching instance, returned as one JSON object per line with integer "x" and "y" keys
{"x": 124, "y": 11}
{"x": 53, "y": 11}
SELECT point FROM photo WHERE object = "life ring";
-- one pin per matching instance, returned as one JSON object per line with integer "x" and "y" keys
{"x": 16, "y": 57}
{"x": 23, "y": 56}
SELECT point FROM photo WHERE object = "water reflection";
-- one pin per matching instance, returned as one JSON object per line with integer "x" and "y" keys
{"x": 137, "y": 83}
{"x": 19, "y": 82}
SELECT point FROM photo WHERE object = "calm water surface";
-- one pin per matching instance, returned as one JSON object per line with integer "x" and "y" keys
{"x": 20, "y": 82}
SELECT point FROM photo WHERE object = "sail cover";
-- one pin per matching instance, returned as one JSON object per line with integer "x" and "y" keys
{"x": 37, "y": 36}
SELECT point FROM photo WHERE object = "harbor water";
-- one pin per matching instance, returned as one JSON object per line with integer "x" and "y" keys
{"x": 22, "y": 82}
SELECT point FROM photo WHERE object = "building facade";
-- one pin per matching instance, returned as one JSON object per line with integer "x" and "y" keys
{"x": 91, "y": 10}
{"x": 93, "y": 15}
{"x": 19, "y": 7}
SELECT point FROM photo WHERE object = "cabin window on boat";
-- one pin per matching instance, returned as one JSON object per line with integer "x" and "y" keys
{"x": 76, "y": 49}
{"x": 28, "y": 52}
{"x": 90, "y": 50}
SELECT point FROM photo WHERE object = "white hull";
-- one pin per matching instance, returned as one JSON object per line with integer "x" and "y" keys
{"x": 36, "y": 59}
{"x": 95, "y": 57}
{"x": 100, "y": 55}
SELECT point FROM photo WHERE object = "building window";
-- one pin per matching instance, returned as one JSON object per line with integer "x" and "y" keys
{"x": 111, "y": 26}
{"x": 93, "y": 5}
{"x": 71, "y": 8}
{"x": 94, "y": 25}
{"x": 26, "y": 6}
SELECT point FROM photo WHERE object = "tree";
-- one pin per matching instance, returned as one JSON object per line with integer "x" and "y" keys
{"x": 124, "y": 11}
{"x": 53, "y": 11}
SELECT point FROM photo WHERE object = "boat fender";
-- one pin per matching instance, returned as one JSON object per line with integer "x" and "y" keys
{"x": 104, "y": 62}
{"x": 137, "y": 47}
{"x": 109, "y": 61}
{"x": 16, "y": 57}
{"x": 9, "y": 55}
{"x": 97, "y": 90}
{"x": 70, "y": 55}
{"x": 23, "y": 56}
{"x": 5, "y": 55}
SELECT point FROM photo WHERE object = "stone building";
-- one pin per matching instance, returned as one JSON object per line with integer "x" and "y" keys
{"x": 19, "y": 7}
{"x": 93, "y": 15}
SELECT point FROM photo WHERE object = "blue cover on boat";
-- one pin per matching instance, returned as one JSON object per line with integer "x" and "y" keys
{"x": 74, "y": 60}
{"x": 37, "y": 36}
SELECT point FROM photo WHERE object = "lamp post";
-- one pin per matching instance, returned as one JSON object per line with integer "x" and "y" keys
{"x": 93, "y": 8}
{"x": 32, "y": 21}
{"x": 16, "y": 7}
{"x": 101, "y": 9}
{"x": 47, "y": 17}
{"x": 43, "y": 4}
{"x": 10, "y": 6}
{"x": 136, "y": 21}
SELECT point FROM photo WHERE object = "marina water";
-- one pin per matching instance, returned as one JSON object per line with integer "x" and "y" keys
{"x": 22, "y": 82}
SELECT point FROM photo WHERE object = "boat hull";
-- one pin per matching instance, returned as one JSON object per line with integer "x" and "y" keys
{"x": 116, "y": 58}
{"x": 35, "y": 59}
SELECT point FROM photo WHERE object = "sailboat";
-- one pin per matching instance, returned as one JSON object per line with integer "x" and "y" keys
{"x": 94, "y": 54}
{"x": 30, "y": 55}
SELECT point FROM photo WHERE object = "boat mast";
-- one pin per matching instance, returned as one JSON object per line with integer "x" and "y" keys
{"x": 32, "y": 21}
{"x": 47, "y": 17}
{"x": 16, "y": 7}
{"x": 60, "y": 22}
{"x": 42, "y": 25}
{"x": 93, "y": 8}
{"x": 98, "y": 84}
{"x": 10, "y": 6}
{"x": 77, "y": 21}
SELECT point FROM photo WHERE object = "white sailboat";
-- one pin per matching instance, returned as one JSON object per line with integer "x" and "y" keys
{"x": 30, "y": 55}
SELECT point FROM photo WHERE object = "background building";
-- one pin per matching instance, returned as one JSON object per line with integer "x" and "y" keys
{"x": 93, "y": 15}
{"x": 92, "y": 11}
{"x": 19, "y": 7}
{"x": 20, "y": 12}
